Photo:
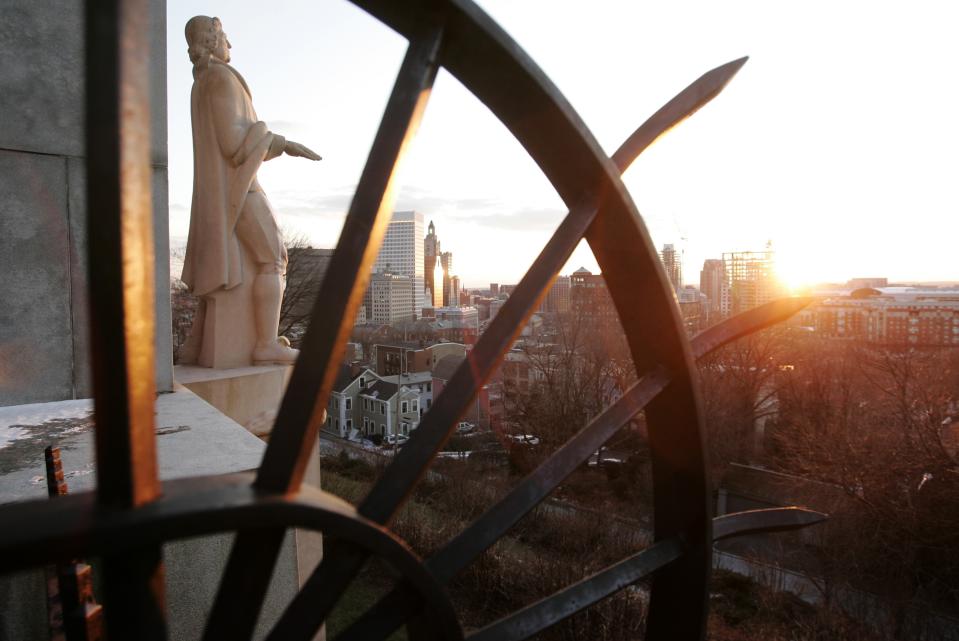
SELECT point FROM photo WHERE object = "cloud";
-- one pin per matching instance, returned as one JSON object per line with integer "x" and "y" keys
{"x": 481, "y": 211}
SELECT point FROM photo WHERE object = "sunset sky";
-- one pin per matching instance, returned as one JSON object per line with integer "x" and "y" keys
{"x": 838, "y": 141}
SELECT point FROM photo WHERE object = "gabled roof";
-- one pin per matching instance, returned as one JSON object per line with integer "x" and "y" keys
{"x": 380, "y": 390}
{"x": 343, "y": 378}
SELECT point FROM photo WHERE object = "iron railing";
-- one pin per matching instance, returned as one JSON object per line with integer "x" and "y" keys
{"x": 131, "y": 513}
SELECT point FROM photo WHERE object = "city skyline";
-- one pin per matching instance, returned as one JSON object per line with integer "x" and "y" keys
{"x": 815, "y": 145}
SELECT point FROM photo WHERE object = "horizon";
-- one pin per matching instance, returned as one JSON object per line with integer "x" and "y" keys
{"x": 825, "y": 138}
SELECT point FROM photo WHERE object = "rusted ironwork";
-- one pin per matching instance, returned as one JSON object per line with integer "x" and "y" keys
{"x": 127, "y": 520}
{"x": 397, "y": 606}
{"x": 302, "y": 408}
{"x": 73, "y": 613}
{"x": 540, "y": 615}
{"x": 776, "y": 519}
{"x": 120, "y": 240}
{"x": 409, "y": 465}
{"x": 55, "y": 487}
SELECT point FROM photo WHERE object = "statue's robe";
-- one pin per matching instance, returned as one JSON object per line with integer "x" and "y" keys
{"x": 229, "y": 145}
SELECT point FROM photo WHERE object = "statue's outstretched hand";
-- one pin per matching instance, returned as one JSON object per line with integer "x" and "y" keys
{"x": 302, "y": 151}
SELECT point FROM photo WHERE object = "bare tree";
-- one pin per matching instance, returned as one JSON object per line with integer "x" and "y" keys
{"x": 870, "y": 421}
{"x": 305, "y": 269}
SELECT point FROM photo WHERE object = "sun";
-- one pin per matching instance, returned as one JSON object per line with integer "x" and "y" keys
{"x": 793, "y": 275}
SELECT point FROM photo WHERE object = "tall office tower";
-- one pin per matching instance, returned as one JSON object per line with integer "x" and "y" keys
{"x": 673, "y": 263}
{"x": 446, "y": 261}
{"x": 431, "y": 251}
{"x": 713, "y": 284}
{"x": 402, "y": 253}
{"x": 751, "y": 278}
{"x": 454, "y": 291}
{"x": 590, "y": 300}
{"x": 557, "y": 298}
{"x": 391, "y": 297}
{"x": 493, "y": 289}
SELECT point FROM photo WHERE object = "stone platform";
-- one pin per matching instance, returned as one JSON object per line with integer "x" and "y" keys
{"x": 193, "y": 438}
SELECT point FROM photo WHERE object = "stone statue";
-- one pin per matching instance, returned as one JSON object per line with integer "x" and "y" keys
{"x": 235, "y": 257}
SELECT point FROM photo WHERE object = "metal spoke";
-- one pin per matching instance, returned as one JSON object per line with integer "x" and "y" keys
{"x": 324, "y": 587}
{"x": 199, "y": 506}
{"x": 401, "y": 476}
{"x": 777, "y": 519}
{"x": 409, "y": 465}
{"x": 495, "y": 522}
{"x": 542, "y": 614}
{"x": 302, "y": 409}
{"x": 397, "y": 606}
{"x": 120, "y": 233}
{"x": 746, "y": 323}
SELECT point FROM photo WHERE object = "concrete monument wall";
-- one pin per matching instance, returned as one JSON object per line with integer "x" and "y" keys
{"x": 44, "y": 326}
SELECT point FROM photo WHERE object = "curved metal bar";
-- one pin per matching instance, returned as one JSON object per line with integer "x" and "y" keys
{"x": 495, "y": 522}
{"x": 396, "y": 607}
{"x": 776, "y": 519}
{"x": 411, "y": 462}
{"x": 568, "y": 601}
{"x": 74, "y": 525}
{"x": 253, "y": 556}
{"x": 538, "y": 616}
{"x": 399, "y": 479}
{"x": 682, "y": 106}
{"x": 746, "y": 323}
{"x": 534, "y": 111}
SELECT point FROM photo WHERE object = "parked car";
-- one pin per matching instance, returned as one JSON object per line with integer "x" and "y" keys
{"x": 465, "y": 427}
{"x": 458, "y": 456}
{"x": 525, "y": 439}
{"x": 396, "y": 439}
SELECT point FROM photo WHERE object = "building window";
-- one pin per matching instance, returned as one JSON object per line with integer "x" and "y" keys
{"x": 349, "y": 403}
{"x": 429, "y": 387}
{"x": 349, "y": 424}
{"x": 362, "y": 382}
{"x": 336, "y": 404}
{"x": 383, "y": 408}
{"x": 382, "y": 428}
{"x": 429, "y": 402}
{"x": 366, "y": 424}
{"x": 405, "y": 407}
{"x": 416, "y": 406}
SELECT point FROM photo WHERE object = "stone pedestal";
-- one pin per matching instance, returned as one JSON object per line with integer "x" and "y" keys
{"x": 248, "y": 395}
{"x": 251, "y": 396}
{"x": 224, "y": 331}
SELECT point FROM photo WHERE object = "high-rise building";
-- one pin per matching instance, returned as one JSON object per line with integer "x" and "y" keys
{"x": 431, "y": 252}
{"x": 454, "y": 290}
{"x": 673, "y": 263}
{"x": 446, "y": 261}
{"x": 557, "y": 298}
{"x": 402, "y": 253}
{"x": 713, "y": 284}
{"x": 391, "y": 298}
{"x": 589, "y": 299}
{"x": 752, "y": 279}
{"x": 493, "y": 289}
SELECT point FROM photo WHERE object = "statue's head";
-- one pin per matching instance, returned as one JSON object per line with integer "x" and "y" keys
{"x": 205, "y": 39}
